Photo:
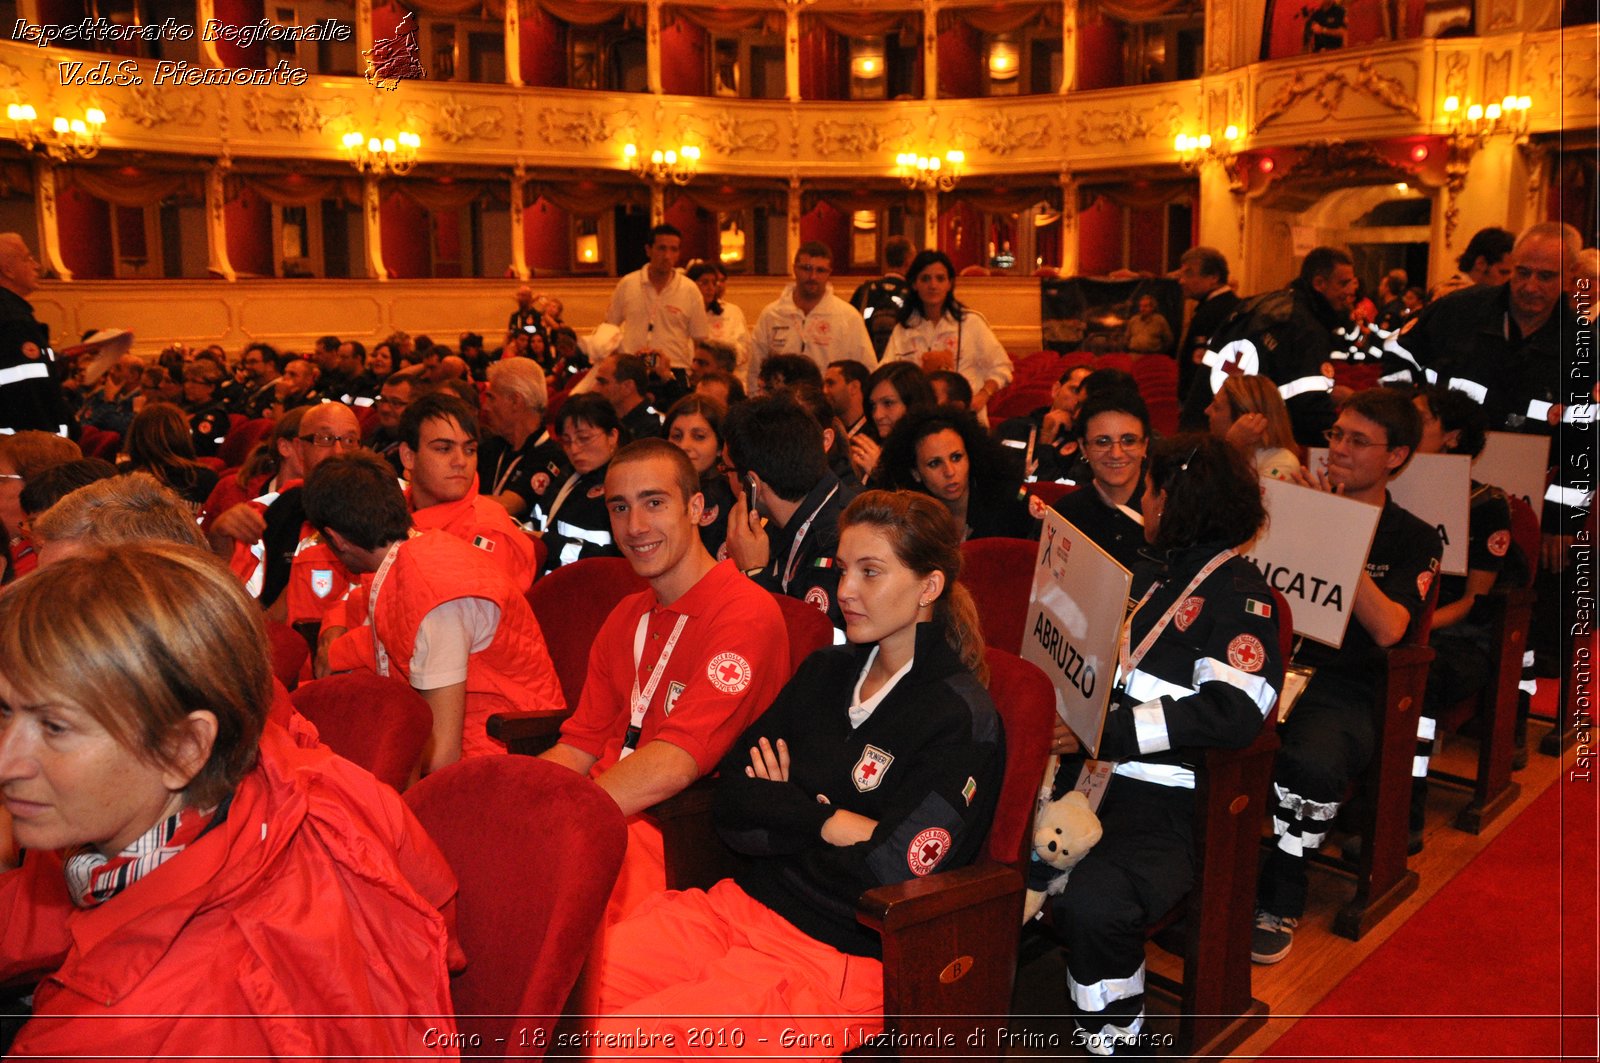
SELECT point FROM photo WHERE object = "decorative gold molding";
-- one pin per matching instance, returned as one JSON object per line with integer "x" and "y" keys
{"x": 583, "y": 127}
{"x": 830, "y": 138}
{"x": 299, "y": 115}
{"x": 148, "y": 107}
{"x": 1456, "y": 66}
{"x": 1328, "y": 88}
{"x": 1158, "y": 121}
{"x": 727, "y": 134}
{"x": 456, "y": 123}
{"x": 1002, "y": 133}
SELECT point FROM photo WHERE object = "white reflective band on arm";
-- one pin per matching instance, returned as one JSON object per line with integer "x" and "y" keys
{"x": 1257, "y": 689}
{"x": 1427, "y": 727}
{"x": 1018, "y": 444}
{"x": 359, "y": 401}
{"x": 1304, "y": 386}
{"x": 1538, "y": 411}
{"x": 1470, "y": 387}
{"x": 1419, "y": 767}
{"x": 1433, "y": 378}
{"x": 1401, "y": 377}
{"x": 1570, "y": 497}
{"x": 1150, "y": 727}
{"x": 1393, "y": 346}
{"x": 1159, "y": 774}
{"x": 18, "y": 373}
{"x": 1142, "y": 686}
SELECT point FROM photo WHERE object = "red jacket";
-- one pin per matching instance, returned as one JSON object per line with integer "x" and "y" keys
{"x": 485, "y": 524}
{"x": 319, "y": 896}
{"x": 512, "y": 674}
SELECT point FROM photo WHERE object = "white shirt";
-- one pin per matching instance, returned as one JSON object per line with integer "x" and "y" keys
{"x": 668, "y": 321}
{"x": 978, "y": 355}
{"x": 832, "y": 332}
{"x": 451, "y": 632}
{"x": 861, "y": 709}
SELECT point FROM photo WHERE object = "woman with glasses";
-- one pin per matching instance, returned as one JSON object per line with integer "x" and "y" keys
{"x": 938, "y": 332}
{"x": 893, "y": 390}
{"x": 1249, "y": 413}
{"x": 1199, "y": 667}
{"x": 694, "y": 426}
{"x": 577, "y": 524}
{"x": 1114, "y": 427}
{"x": 945, "y": 453}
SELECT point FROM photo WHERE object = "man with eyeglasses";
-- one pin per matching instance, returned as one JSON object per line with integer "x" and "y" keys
{"x": 264, "y": 538}
{"x": 808, "y": 319}
{"x": 1515, "y": 348}
{"x": 393, "y": 398}
{"x": 1329, "y": 737}
{"x": 1291, "y": 335}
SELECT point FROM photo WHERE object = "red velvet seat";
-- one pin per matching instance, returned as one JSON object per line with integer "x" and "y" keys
{"x": 289, "y": 653}
{"x": 535, "y": 848}
{"x": 571, "y": 604}
{"x": 241, "y": 439}
{"x": 998, "y": 573}
{"x": 376, "y": 722}
{"x": 809, "y": 628}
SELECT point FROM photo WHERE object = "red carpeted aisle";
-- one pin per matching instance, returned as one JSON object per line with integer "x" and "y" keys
{"x": 1501, "y": 962}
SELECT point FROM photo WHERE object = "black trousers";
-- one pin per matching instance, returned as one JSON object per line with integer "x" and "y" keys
{"x": 1327, "y": 741}
{"x": 1142, "y": 866}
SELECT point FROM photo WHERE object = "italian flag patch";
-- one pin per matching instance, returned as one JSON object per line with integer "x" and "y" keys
{"x": 970, "y": 790}
{"x": 822, "y": 562}
{"x": 486, "y": 545}
{"x": 1255, "y": 608}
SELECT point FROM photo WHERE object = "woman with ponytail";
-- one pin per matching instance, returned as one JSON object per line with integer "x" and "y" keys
{"x": 878, "y": 763}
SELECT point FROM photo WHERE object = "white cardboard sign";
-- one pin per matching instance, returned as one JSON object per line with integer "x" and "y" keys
{"x": 1436, "y": 488}
{"x": 1516, "y": 464}
{"x": 1075, "y": 616}
{"x": 1313, "y": 553}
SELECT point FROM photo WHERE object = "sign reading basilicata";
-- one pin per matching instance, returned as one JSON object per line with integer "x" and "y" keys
{"x": 1075, "y": 616}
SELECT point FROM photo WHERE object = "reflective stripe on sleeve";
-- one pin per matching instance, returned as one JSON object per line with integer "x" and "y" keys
{"x": 1255, "y": 687}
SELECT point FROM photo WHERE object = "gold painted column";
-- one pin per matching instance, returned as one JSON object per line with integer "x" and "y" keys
{"x": 791, "y": 50}
{"x": 652, "y": 38}
{"x": 519, "y": 240}
{"x": 930, "y": 53}
{"x": 1069, "y": 45}
{"x": 1222, "y": 217}
{"x": 216, "y": 220}
{"x": 930, "y": 218}
{"x": 206, "y": 10}
{"x": 658, "y": 203}
{"x": 371, "y": 213}
{"x": 1069, "y": 224}
{"x": 795, "y": 211}
{"x": 44, "y": 198}
{"x": 513, "y": 42}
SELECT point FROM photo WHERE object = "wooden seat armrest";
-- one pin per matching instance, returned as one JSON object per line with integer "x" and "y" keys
{"x": 893, "y": 909}
{"x": 527, "y": 733}
{"x": 694, "y": 854}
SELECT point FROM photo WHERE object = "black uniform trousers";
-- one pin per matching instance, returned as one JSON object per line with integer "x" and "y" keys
{"x": 1327, "y": 741}
{"x": 1142, "y": 866}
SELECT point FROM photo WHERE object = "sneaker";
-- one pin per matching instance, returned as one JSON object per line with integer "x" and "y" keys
{"x": 1272, "y": 938}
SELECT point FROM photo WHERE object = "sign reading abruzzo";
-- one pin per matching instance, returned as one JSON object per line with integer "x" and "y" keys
{"x": 1313, "y": 553}
{"x": 1437, "y": 490}
{"x": 1080, "y": 596}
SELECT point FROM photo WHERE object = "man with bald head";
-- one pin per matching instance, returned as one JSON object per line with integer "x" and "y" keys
{"x": 298, "y": 386}
{"x": 30, "y": 376}
{"x": 264, "y": 538}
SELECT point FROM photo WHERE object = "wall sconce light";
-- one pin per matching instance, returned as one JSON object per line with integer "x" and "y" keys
{"x": 731, "y": 244}
{"x": 63, "y": 138}
{"x": 589, "y": 249}
{"x": 663, "y": 167}
{"x": 930, "y": 172}
{"x": 1472, "y": 126}
{"x": 392, "y": 155}
{"x": 1195, "y": 151}
{"x": 1004, "y": 62}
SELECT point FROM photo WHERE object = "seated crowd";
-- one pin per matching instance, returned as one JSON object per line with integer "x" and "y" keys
{"x": 176, "y": 840}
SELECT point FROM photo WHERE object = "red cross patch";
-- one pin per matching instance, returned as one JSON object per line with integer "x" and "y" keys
{"x": 1499, "y": 543}
{"x": 597, "y": 490}
{"x": 1187, "y": 612}
{"x": 540, "y": 483}
{"x": 869, "y": 770}
{"x": 1424, "y": 581}
{"x": 708, "y": 516}
{"x": 818, "y": 597}
{"x": 1036, "y": 507}
{"x": 729, "y": 672}
{"x": 1246, "y": 653}
{"x": 926, "y": 850}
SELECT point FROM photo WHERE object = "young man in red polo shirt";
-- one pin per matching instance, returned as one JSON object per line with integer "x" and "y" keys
{"x": 677, "y": 671}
